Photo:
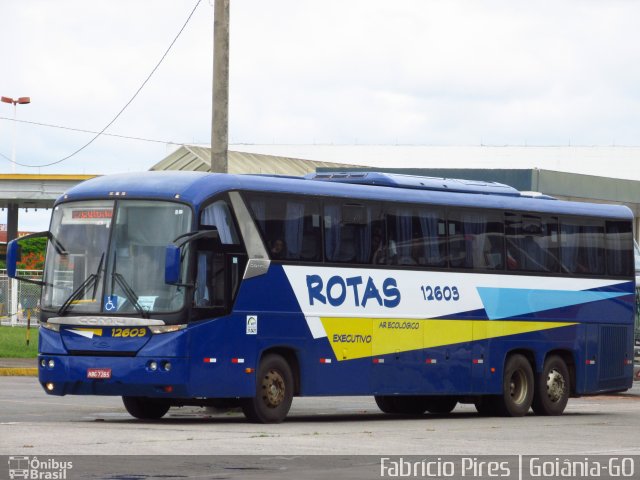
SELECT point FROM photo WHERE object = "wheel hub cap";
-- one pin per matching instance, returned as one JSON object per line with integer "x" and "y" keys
{"x": 273, "y": 387}
{"x": 517, "y": 387}
{"x": 555, "y": 386}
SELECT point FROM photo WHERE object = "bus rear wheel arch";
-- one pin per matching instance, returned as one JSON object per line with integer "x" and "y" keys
{"x": 553, "y": 387}
{"x": 274, "y": 391}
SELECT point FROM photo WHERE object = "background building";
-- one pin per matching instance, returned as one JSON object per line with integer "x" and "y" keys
{"x": 586, "y": 174}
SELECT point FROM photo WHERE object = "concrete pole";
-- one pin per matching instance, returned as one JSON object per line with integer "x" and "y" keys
{"x": 220, "y": 120}
{"x": 12, "y": 221}
{"x": 12, "y": 234}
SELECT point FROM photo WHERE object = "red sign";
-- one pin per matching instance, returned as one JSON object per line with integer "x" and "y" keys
{"x": 90, "y": 214}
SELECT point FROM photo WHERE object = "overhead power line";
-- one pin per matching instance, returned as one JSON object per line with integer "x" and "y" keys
{"x": 82, "y": 130}
{"x": 101, "y": 132}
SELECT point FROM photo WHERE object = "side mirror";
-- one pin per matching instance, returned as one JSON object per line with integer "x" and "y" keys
{"x": 13, "y": 257}
{"x": 172, "y": 264}
{"x": 173, "y": 257}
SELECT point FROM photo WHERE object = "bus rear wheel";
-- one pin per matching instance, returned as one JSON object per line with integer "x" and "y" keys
{"x": 552, "y": 388}
{"x": 274, "y": 391}
{"x": 517, "y": 387}
{"x": 487, "y": 405}
{"x": 146, "y": 408}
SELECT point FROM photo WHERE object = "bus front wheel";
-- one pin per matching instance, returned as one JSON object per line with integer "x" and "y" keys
{"x": 552, "y": 388}
{"x": 146, "y": 408}
{"x": 274, "y": 391}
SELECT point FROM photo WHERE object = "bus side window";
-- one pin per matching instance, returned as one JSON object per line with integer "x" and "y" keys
{"x": 432, "y": 248}
{"x": 532, "y": 243}
{"x": 582, "y": 248}
{"x": 290, "y": 226}
{"x": 401, "y": 236}
{"x": 619, "y": 250}
{"x": 350, "y": 231}
{"x": 210, "y": 282}
{"x": 475, "y": 240}
{"x": 218, "y": 215}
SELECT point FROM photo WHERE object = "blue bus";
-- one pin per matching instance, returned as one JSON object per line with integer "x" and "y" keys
{"x": 189, "y": 288}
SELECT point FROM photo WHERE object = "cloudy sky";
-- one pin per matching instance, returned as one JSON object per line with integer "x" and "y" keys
{"x": 425, "y": 72}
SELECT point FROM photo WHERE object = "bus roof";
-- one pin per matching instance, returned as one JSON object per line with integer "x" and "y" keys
{"x": 197, "y": 187}
{"x": 415, "y": 182}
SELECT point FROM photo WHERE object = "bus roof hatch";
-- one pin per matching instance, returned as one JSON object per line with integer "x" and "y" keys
{"x": 397, "y": 180}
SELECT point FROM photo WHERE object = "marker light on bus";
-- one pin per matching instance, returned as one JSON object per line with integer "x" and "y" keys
{"x": 157, "y": 329}
{"x": 54, "y": 327}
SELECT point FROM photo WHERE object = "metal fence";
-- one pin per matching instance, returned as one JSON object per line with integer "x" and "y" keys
{"x": 19, "y": 301}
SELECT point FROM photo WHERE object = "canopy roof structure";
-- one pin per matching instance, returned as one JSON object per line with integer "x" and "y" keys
{"x": 197, "y": 158}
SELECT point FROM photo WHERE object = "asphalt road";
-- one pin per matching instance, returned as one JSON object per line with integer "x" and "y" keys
{"x": 32, "y": 422}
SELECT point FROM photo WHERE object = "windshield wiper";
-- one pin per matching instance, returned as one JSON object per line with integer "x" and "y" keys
{"x": 57, "y": 244}
{"x": 130, "y": 294}
{"x": 128, "y": 291}
{"x": 90, "y": 281}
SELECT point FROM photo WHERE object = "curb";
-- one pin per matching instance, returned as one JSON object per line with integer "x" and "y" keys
{"x": 18, "y": 372}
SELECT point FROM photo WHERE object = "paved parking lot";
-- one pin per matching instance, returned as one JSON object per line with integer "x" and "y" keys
{"x": 33, "y": 423}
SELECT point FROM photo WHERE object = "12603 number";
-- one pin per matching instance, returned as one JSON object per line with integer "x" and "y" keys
{"x": 438, "y": 293}
{"x": 129, "y": 332}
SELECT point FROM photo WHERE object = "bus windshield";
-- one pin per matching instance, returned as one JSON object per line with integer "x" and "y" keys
{"x": 108, "y": 257}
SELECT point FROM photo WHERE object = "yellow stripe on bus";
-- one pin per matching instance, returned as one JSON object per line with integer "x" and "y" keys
{"x": 352, "y": 338}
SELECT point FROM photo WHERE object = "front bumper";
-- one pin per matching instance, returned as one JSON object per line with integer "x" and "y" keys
{"x": 129, "y": 376}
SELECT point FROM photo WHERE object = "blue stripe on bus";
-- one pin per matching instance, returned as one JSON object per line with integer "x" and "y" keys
{"x": 512, "y": 302}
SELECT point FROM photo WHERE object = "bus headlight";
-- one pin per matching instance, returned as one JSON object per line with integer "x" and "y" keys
{"x": 153, "y": 366}
{"x": 51, "y": 363}
{"x": 166, "y": 366}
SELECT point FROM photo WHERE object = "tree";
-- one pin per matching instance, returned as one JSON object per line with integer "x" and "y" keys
{"x": 32, "y": 253}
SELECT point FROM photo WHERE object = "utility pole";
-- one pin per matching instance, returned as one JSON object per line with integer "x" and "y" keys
{"x": 220, "y": 117}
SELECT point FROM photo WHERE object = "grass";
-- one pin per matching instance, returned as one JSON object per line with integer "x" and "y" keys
{"x": 13, "y": 343}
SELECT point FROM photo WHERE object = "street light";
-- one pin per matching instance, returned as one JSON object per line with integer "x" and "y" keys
{"x": 15, "y": 101}
{"x": 20, "y": 100}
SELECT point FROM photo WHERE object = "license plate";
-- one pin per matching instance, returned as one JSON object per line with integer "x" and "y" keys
{"x": 99, "y": 373}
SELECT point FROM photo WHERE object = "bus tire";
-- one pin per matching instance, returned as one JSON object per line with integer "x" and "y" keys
{"x": 274, "y": 391}
{"x": 401, "y": 405}
{"x": 146, "y": 408}
{"x": 517, "y": 387}
{"x": 553, "y": 387}
{"x": 487, "y": 405}
{"x": 385, "y": 403}
{"x": 410, "y": 405}
{"x": 440, "y": 405}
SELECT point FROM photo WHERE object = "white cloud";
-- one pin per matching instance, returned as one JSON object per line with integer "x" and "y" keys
{"x": 458, "y": 72}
